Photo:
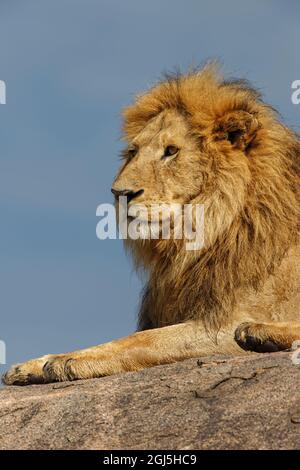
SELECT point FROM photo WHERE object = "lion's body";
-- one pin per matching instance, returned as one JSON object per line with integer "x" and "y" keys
{"x": 277, "y": 299}
{"x": 230, "y": 153}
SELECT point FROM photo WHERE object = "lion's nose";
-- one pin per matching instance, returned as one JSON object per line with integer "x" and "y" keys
{"x": 129, "y": 193}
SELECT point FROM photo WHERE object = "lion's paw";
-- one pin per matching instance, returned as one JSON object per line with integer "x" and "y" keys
{"x": 256, "y": 337}
{"x": 30, "y": 372}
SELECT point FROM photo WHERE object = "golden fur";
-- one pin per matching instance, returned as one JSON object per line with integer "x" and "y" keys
{"x": 250, "y": 189}
{"x": 242, "y": 163}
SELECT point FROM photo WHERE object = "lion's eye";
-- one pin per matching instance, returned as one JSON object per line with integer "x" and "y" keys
{"x": 170, "y": 150}
{"x": 131, "y": 152}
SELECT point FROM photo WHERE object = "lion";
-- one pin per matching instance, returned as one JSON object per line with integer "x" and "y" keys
{"x": 199, "y": 138}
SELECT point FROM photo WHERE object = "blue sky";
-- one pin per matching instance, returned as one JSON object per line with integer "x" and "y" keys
{"x": 69, "y": 67}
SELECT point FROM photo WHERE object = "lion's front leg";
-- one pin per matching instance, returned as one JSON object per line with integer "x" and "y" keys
{"x": 140, "y": 350}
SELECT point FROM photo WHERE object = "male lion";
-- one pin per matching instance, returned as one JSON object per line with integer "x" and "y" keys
{"x": 197, "y": 138}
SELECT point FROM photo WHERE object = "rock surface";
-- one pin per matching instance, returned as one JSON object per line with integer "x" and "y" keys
{"x": 248, "y": 402}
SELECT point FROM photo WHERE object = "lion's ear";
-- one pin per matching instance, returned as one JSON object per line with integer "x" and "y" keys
{"x": 238, "y": 127}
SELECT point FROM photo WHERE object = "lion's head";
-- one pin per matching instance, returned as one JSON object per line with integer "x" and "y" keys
{"x": 198, "y": 138}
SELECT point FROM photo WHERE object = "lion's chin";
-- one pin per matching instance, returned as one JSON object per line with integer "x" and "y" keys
{"x": 145, "y": 228}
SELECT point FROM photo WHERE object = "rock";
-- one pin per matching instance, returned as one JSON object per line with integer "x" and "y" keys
{"x": 218, "y": 402}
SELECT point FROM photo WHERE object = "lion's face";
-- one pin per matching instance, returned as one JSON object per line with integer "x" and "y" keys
{"x": 162, "y": 163}
{"x": 198, "y": 140}
{"x": 166, "y": 163}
